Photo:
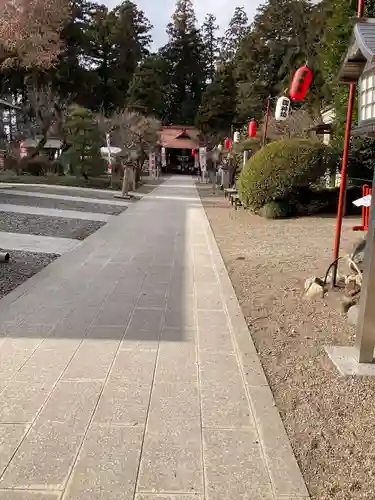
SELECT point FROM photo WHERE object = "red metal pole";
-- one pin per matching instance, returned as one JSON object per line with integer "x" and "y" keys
{"x": 348, "y": 127}
{"x": 268, "y": 112}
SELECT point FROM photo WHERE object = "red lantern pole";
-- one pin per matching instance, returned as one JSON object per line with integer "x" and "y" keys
{"x": 343, "y": 180}
{"x": 268, "y": 113}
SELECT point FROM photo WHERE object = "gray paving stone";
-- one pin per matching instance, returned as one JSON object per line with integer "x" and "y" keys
{"x": 214, "y": 333}
{"x": 158, "y": 274}
{"x": 219, "y": 369}
{"x": 183, "y": 318}
{"x": 13, "y": 355}
{"x": 141, "y": 340}
{"x": 108, "y": 464}
{"x": 234, "y": 466}
{"x": 283, "y": 497}
{"x": 205, "y": 275}
{"x": 168, "y": 497}
{"x": 46, "y": 365}
{"x": 282, "y": 465}
{"x": 123, "y": 403}
{"x": 209, "y": 297}
{"x": 72, "y": 402}
{"x": 106, "y": 332}
{"x": 47, "y": 316}
{"x": 253, "y": 370}
{"x": 20, "y": 402}
{"x": 76, "y": 324}
{"x": 180, "y": 302}
{"x": 28, "y": 331}
{"x": 177, "y": 363}
{"x": 92, "y": 360}
{"x": 28, "y": 495}
{"x": 174, "y": 406}
{"x": 145, "y": 320}
{"x": 172, "y": 462}
{"x": 155, "y": 298}
{"x": 180, "y": 335}
{"x": 114, "y": 315}
{"x": 45, "y": 457}
{"x": 225, "y": 406}
{"x": 134, "y": 367}
{"x": 10, "y": 437}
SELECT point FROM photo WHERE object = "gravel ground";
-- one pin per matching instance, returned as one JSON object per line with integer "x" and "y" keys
{"x": 21, "y": 266}
{"x": 148, "y": 186}
{"x": 330, "y": 420}
{"x": 60, "y": 204}
{"x": 48, "y": 226}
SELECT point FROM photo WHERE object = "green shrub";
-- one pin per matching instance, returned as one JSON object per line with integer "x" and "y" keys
{"x": 325, "y": 201}
{"x": 276, "y": 210}
{"x": 37, "y": 166}
{"x": 281, "y": 169}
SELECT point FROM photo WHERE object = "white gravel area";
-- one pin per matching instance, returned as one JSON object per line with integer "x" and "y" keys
{"x": 47, "y": 226}
{"x": 22, "y": 265}
{"x": 8, "y": 198}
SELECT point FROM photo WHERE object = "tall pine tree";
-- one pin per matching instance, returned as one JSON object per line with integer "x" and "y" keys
{"x": 131, "y": 39}
{"x": 217, "y": 110}
{"x": 237, "y": 30}
{"x": 211, "y": 45}
{"x": 149, "y": 87}
{"x": 185, "y": 55}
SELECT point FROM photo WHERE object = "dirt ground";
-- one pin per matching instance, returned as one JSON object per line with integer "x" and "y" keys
{"x": 330, "y": 420}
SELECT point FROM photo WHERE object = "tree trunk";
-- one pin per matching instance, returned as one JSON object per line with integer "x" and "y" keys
{"x": 125, "y": 182}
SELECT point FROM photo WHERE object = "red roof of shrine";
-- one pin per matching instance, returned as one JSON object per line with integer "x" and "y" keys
{"x": 179, "y": 137}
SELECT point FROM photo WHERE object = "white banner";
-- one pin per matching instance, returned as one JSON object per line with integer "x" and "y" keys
{"x": 363, "y": 202}
{"x": 152, "y": 159}
{"x": 163, "y": 157}
{"x": 203, "y": 158}
{"x": 23, "y": 150}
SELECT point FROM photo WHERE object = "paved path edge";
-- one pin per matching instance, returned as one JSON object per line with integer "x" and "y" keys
{"x": 285, "y": 474}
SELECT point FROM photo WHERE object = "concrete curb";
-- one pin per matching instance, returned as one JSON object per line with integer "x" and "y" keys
{"x": 285, "y": 475}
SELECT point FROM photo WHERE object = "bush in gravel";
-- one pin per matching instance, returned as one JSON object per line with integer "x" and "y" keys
{"x": 281, "y": 169}
{"x": 276, "y": 210}
{"x": 84, "y": 139}
{"x": 37, "y": 166}
{"x": 311, "y": 201}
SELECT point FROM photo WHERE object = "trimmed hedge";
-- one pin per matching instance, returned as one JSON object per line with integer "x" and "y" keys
{"x": 281, "y": 169}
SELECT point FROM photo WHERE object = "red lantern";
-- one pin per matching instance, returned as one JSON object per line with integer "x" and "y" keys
{"x": 300, "y": 83}
{"x": 252, "y": 129}
{"x": 227, "y": 143}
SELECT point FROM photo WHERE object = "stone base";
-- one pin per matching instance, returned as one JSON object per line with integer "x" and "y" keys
{"x": 344, "y": 359}
{"x": 121, "y": 197}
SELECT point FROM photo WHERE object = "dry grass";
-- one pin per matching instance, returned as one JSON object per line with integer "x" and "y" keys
{"x": 330, "y": 420}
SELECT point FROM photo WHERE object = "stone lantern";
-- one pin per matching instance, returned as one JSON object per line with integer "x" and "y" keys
{"x": 358, "y": 68}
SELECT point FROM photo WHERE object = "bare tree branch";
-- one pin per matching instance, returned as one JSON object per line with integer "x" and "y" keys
{"x": 30, "y": 31}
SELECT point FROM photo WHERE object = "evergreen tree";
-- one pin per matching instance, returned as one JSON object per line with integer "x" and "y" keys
{"x": 237, "y": 30}
{"x": 277, "y": 44}
{"x": 131, "y": 39}
{"x": 148, "y": 87}
{"x": 84, "y": 138}
{"x": 100, "y": 56}
{"x": 70, "y": 77}
{"x": 218, "y": 106}
{"x": 185, "y": 55}
{"x": 211, "y": 45}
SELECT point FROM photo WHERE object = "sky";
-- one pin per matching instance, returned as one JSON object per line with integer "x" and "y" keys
{"x": 159, "y": 13}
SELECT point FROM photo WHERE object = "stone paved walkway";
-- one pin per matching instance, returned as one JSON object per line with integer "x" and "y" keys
{"x": 127, "y": 371}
